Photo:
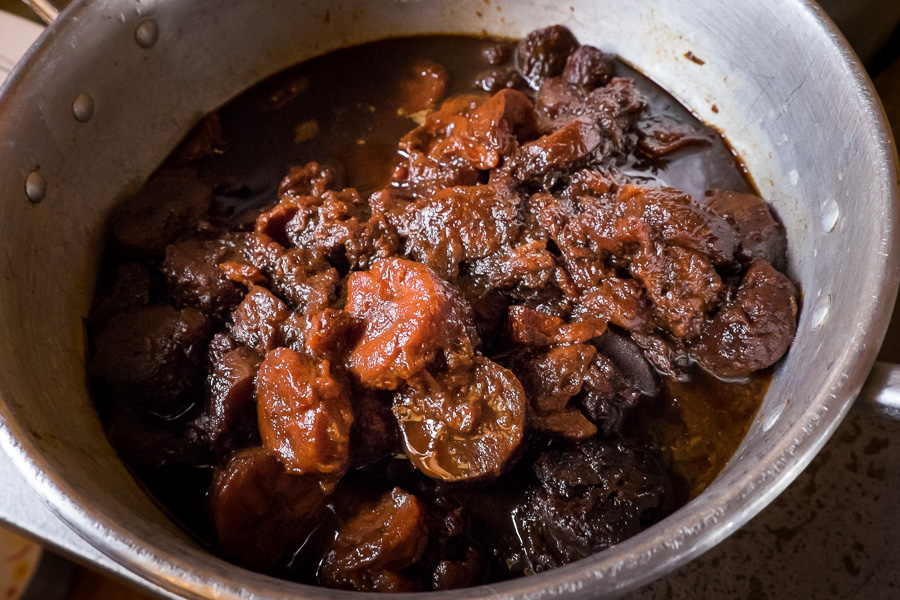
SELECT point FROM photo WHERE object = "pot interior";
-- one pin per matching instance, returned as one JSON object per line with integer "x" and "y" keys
{"x": 775, "y": 79}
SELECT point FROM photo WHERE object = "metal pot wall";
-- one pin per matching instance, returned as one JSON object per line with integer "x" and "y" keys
{"x": 113, "y": 85}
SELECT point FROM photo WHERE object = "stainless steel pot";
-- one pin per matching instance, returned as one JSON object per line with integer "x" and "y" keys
{"x": 112, "y": 86}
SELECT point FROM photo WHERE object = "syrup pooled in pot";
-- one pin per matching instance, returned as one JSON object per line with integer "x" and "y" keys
{"x": 437, "y": 311}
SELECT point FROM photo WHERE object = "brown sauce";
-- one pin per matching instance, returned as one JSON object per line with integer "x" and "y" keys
{"x": 343, "y": 110}
{"x": 351, "y": 95}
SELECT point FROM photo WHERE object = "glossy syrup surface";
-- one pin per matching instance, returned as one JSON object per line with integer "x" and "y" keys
{"x": 343, "y": 110}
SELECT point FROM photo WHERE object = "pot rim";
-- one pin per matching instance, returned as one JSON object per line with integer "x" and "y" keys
{"x": 670, "y": 543}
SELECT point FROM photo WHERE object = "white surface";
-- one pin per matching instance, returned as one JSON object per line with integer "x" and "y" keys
{"x": 18, "y": 560}
{"x": 16, "y": 36}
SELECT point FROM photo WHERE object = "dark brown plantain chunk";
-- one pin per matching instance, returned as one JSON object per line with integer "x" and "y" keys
{"x": 753, "y": 330}
{"x": 423, "y": 87}
{"x": 410, "y": 316}
{"x": 374, "y": 546}
{"x": 592, "y": 496}
{"x": 257, "y": 319}
{"x": 195, "y": 279}
{"x": 761, "y": 236}
{"x": 533, "y": 328}
{"x": 304, "y": 413}
{"x": 172, "y": 202}
{"x": 229, "y": 417}
{"x": 465, "y": 425}
{"x": 152, "y": 356}
{"x": 543, "y": 53}
{"x": 589, "y": 67}
{"x": 462, "y": 224}
{"x": 260, "y": 511}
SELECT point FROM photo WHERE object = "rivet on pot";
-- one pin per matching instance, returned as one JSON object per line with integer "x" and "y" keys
{"x": 820, "y": 311}
{"x": 35, "y": 186}
{"x": 83, "y": 108}
{"x": 830, "y": 214}
{"x": 146, "y": 33}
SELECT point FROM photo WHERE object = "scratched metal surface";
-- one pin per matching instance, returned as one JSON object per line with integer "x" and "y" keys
{"x": 789, "y": 97}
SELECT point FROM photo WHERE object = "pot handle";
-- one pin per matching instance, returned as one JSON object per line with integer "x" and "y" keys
{"x": 23, "y": 511}
{"x": 45, "y": 9}
{"x": 881, "y": 393}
